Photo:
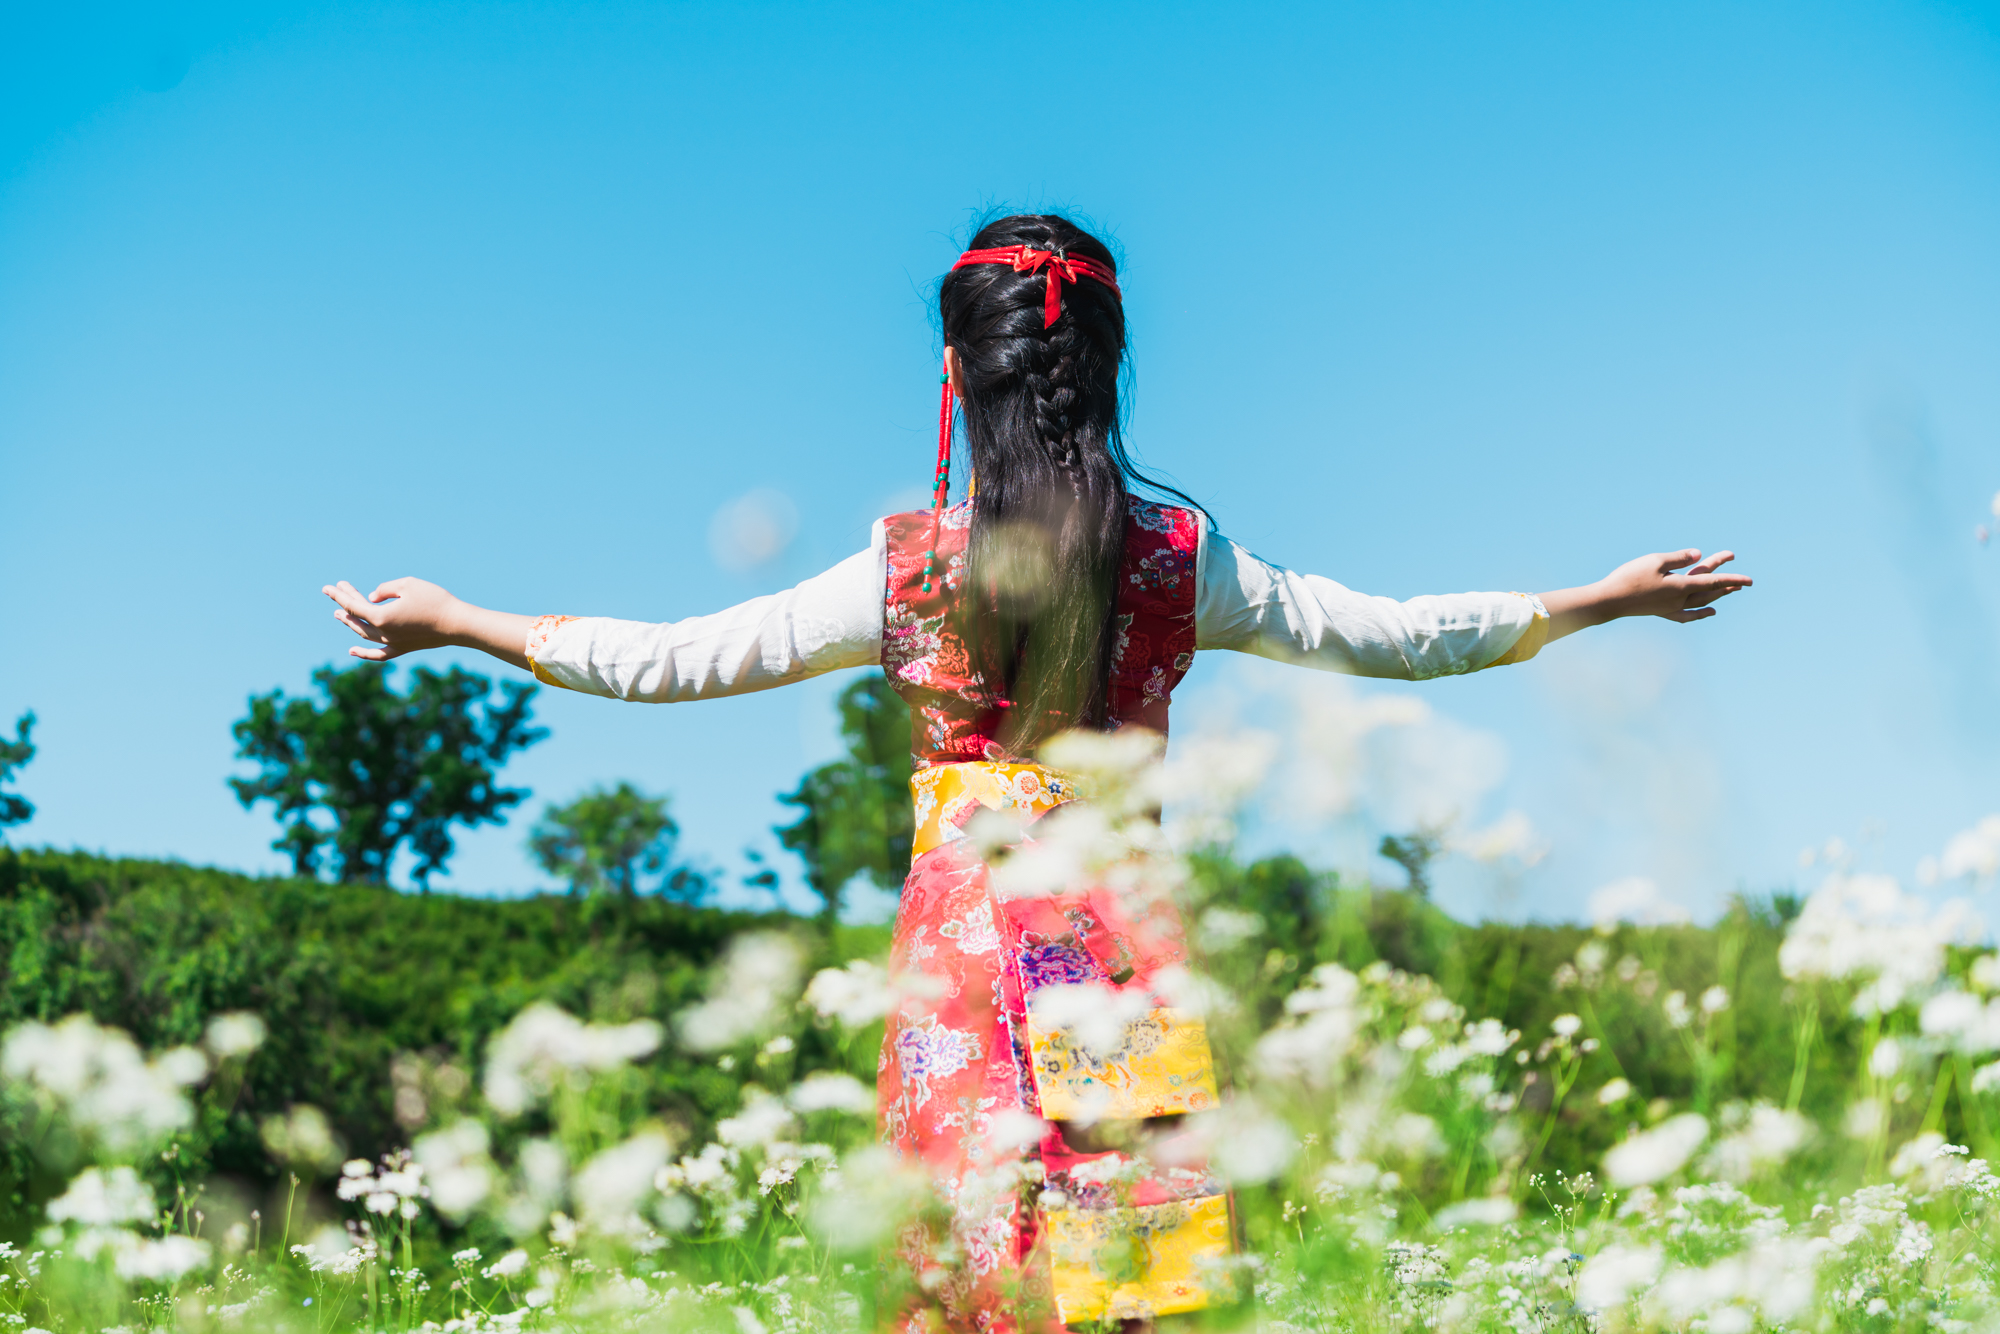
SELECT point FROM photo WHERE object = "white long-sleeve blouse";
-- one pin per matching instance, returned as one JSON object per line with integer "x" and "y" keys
{"x": 834, "y": 620}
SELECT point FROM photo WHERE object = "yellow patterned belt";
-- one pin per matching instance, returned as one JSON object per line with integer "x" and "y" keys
{"x": 946, "y": 796}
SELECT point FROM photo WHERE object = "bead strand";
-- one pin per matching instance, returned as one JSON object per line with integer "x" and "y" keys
{"x": 943, "y": 480}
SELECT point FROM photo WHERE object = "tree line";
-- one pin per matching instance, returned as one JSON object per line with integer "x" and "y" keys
{"x": 358, "y": 772}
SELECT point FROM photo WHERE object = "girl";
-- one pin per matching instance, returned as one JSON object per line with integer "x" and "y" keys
{"x": 1050, "y": 599}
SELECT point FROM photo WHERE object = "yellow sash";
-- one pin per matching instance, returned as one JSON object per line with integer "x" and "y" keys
{"x": 944, "y": 796}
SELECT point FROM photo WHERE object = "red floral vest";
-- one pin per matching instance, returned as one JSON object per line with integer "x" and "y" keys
{"x": 953, "y": 714}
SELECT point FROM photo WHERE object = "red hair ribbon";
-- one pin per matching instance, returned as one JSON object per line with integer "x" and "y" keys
{"x": 1061, "y": 268}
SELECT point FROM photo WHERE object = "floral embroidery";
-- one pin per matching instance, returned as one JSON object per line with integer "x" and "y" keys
{"x": 929, "y": 1051}
{"x": 1163, "y": 570}
{"x": 1047, "y": 962}
{"x": 974, "y": 932}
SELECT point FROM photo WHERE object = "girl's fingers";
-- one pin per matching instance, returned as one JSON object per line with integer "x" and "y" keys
{"x": 1713, "y": 563}
{"x": 1674, "y": 560}
{"x": 347, "y": 597}
{"x": 1690, "y": 614}
{"x": 371, "y": 654}
{"x": 359, "y": 626}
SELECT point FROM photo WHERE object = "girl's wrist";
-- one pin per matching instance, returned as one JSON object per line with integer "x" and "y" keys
{"x": 1604, "y": 604}
{"x": 457, "y": 624}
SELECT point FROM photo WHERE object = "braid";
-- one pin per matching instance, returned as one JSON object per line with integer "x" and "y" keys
{"x": 1056, "y": 398}
{"x": 1049, "y": 515}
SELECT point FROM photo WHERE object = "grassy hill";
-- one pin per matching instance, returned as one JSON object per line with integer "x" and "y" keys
{"x": 350, "y": 978}
{"x": 345, "y": 977}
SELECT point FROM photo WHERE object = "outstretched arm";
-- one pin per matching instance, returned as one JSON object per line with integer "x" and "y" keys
{"x": 1679, "y": 585}
{"x": 1252, "y": 606}
{"x": 405, "y": 615}
{"x": 832, "y": 620}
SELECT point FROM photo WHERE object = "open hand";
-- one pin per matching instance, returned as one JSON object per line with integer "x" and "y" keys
{"x": 401, "y": 616}
{"x": 1678, "y": 585}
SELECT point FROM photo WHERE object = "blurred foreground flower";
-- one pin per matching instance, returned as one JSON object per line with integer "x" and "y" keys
{"x": 101, "y": 1085}
{"x": 757, "y": 980}
{"x": 528, "y": 1057}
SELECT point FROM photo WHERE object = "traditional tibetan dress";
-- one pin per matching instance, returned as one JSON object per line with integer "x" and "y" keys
{"x": 969, "y": 1058}
{"x": 976, "y": 1085}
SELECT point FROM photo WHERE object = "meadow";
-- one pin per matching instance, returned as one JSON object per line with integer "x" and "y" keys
{"x": 280, "y": 1104}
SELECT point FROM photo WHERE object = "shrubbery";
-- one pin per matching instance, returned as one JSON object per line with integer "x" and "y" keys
{"x": 630, "y": 1113}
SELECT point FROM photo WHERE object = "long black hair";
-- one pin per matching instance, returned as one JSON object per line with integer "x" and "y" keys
{"x": 1049, "y": 478}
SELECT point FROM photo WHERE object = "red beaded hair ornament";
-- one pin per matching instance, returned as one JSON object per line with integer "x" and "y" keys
{"x": 1061, "y": 269}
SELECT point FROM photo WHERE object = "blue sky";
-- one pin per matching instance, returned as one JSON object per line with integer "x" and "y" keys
{"x": 1423, "y": 298}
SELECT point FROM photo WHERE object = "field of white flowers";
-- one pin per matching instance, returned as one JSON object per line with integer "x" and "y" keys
{"x": 1390, "y": 1152}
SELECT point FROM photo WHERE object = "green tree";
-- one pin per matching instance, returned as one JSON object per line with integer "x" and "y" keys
{"x": 384, "y": 768}
{"x": 1414, "y": 853}
{"x": 855, "y": 812}
{"x": 605, "y": 840}
{"x": 14, "y": 755}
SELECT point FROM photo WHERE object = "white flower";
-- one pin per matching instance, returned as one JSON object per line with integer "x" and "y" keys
{"x": 856, "y": 995}
{"x": 461, "y": 1175}
{"x": 1917, "y": 1153}
{"x": 104, "y": 1197}
{"x": 828, "y": 1091}
{"x": 1565, "y": 1025}
{"x": 868, "y": 1199}
{"x": 610, "y": 1186}
{"x": 1675, "y": 1007}
{"x": 1656, "y": 1153}
{"x": 763, "y": 1120}
{"x": 710, "y": 1171}
{"x": 758, "y": 978}
{"x": 1614, "y": 1092}
{"x": 237, "y": 1033}
{"x": 1099, "y": 1018}
{"x": 1446, "y": 1059}
{"x": 1865, "y": 926}
{"x": 101, "y": 1082}
{"x": 510, "y": 1265}
{"x": 1866, "y": 1118}
{"x": 1415, "y": 1135}
{"x": 1324, "y": 1020}
{"x": 1886, "y": 1059}
{"x": 164, "y": 1260}
{"x": 1250, "y": 1144}
{"x": 1489, "y": 1212}
{"x": 1490, "y": 1038}
{"x": 1768, "y": 1136}
{"x": 543, "y": 1044}
{"x": 1414, "y": 1037}
{"x": 1609, "y": 1278}
{"x": 1715, "y": 1000}
{"x": 1972, "y": 1026}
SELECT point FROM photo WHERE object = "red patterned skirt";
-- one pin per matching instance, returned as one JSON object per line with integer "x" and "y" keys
{"x": 996, "y": 1073}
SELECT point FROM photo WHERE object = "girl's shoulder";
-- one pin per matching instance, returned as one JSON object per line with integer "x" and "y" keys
{"x": 1180, "y": 526}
